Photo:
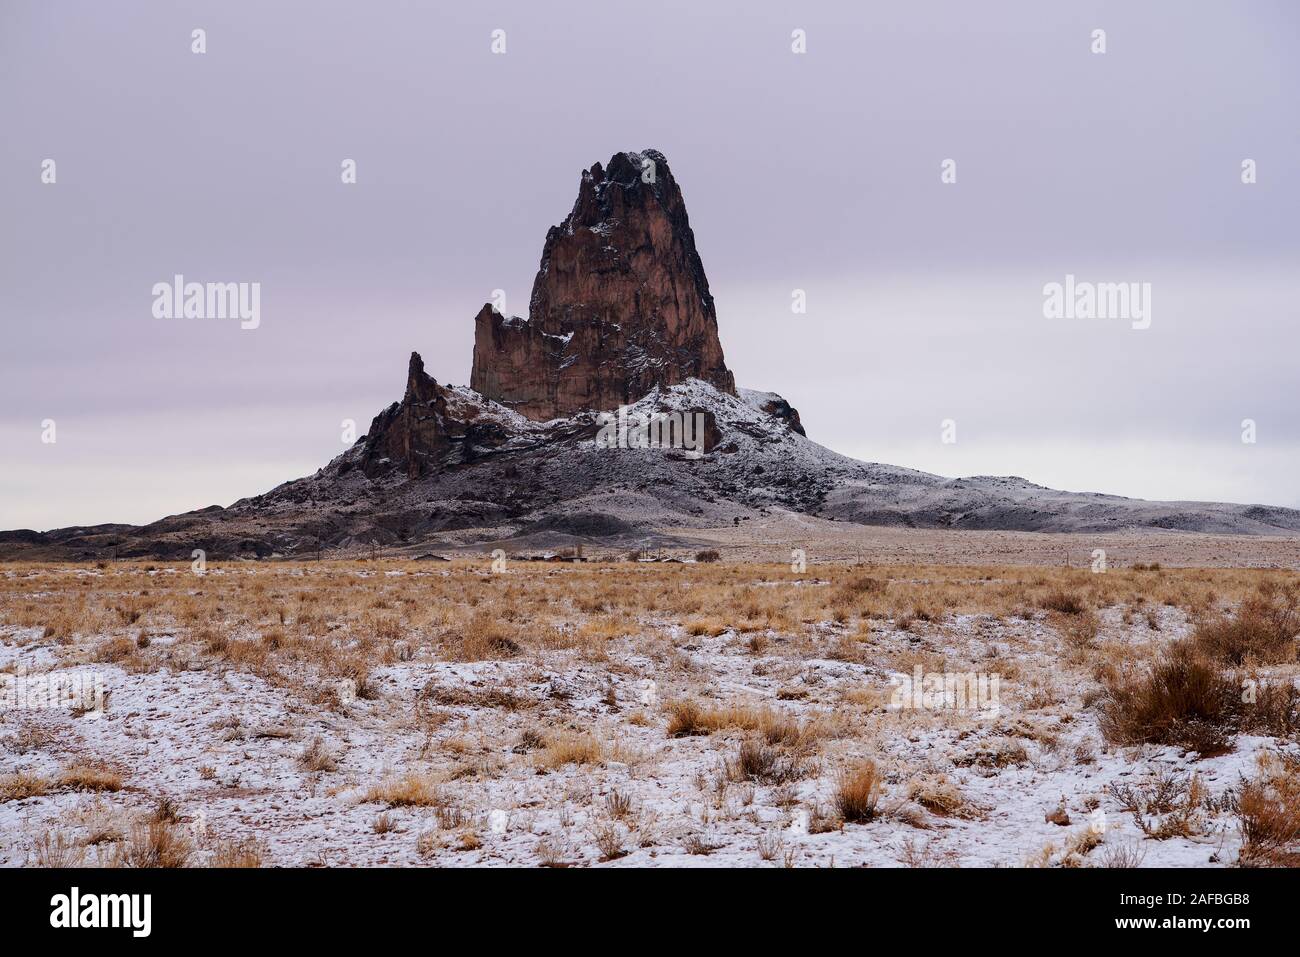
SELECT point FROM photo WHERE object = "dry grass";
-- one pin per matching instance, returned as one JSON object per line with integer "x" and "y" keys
{"x": 609, "y": 839}
{"x": 410, "y": 790}
{"x": 688, "y": 717}
{"x": 337, "y": 618}
{"x": 1268, "y": 814}
{"x": 1264, "y": 629}
{"x": 153, "y": 844}
{"x": 939, "y": 795}
{"x": 1182, "y": 699}
{"x": 569, "y": 747}
{"x": 1067, "y": 603}
{"x": 246, "y": 852}
{"x": 1187, "y": 699}
{"x": 858, "y": 791}
{"x": 56, "y": 849}
{"x": 317, "y": 757}
{"x": 766, "y": 764}
{"x": 89, "y": 777}
{"x": 1055, "y": 635}
{"x": 21, "y": 785}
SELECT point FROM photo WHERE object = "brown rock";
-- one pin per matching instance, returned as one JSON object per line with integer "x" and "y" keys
{"x": 1060, "y": 816}
{"x": 620, "y": 303}
{"x": 413, "y": 433}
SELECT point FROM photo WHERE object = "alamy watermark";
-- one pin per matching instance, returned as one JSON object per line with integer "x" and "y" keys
{"x": 53, "y": 690}
{"x": 656, "y": 430}
{"x": 179, "y": 299}
{"x": 1098, "y": 300}
{"x": 947, "y": 691}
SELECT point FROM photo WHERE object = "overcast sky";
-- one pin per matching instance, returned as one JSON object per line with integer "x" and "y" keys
{"x": 817, "y": 171}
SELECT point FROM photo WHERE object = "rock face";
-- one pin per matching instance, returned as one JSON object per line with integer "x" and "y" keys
{"x": 775, "y": 406}
{"x": 431, "y": 428}
{"x": 413, "y": 433}
{"x": 620, "y": 303}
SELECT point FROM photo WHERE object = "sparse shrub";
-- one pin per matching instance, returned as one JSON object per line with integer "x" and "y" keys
{"x": 428, "y": 843}
{"x": 551, "y": 852}
{"x": 243, "y": 853}
{"x": 1264, "y": 629}
{"x": 1168, "y": 805}
{"x": 1079, "y": 630}
{"x": 485, "y": 638}
{"x": 1183, "y": 700}
{"x": 756, "y": 761}
{"x": 770, "y": 846}
{"x": 469, "y": 697}
{"x": 115, "y": 650}
{"x": 708, "y": 555}
{"x": 1066, "y": 603}
{"x": 941, "y": 796}
{"x": 685, "y": 719}
{"x": 697, "y": 844}
{"x": 153, "y": 844}
{"x": 1126, "y": 855}
{"x": 56, "y": 849}
{"x": 999, "y": 752}
{"x": 128, "y": 610}
{"x": 101, "y": 826}
{"x": 317, "y": 757}
{"x": 608, "y": 838}
{"x": 452, "y": 818}
{"x": 618, "y": 804}
{"x": 857, "y": 792}
{"x": 1082, "y": 844}
{"x": 166, "y": 811}
{"x": 214, "y": 642}
{"x": 1268, "y": 815}
{"x": 710, "y": 627}
{"x": 1275, "y": 709}
{"x": 530, "y": 739}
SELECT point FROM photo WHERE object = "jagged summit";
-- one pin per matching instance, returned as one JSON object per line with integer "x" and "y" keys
{"x": 620, "y": 308}
{"x": 621, "y": 303}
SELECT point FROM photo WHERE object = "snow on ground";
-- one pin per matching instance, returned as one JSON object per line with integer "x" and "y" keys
{"x": 226, "y": 747}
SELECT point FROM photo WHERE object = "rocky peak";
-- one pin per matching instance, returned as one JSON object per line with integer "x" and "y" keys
{"x": 620, "y": 304}
{"x": 620, "y": 312}
{"x": 412, "y": 433}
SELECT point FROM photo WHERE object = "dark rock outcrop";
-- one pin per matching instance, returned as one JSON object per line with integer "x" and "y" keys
{"x": 778, "y": 408}
{"x": 620, "y": 304}
{"x": 411, "y": 434}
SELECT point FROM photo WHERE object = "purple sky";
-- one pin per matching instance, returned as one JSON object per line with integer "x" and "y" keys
{"x": 817, "y": 171}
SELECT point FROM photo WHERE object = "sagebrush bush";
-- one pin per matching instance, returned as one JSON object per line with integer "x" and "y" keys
{"x": 1067, "y": 603}
{"x": 1263, "y": 630}
{"x": 1268, "y": 815}
{"x": 1182, "y": 700}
